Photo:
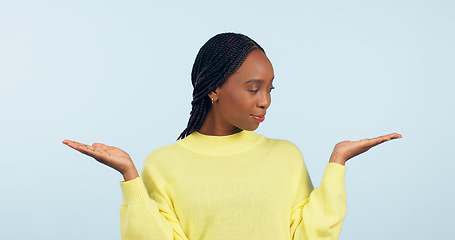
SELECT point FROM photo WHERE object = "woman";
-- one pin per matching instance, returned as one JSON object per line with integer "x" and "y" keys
{"x": 220, "y": 180}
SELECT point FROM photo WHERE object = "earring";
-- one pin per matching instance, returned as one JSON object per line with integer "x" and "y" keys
{"x": 212, "y": 100}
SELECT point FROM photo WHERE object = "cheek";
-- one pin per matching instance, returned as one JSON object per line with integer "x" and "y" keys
{"x": 238, "y": 104}
{"x": 243, "y": 102}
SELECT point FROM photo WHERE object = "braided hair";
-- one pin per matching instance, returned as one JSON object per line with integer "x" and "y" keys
{"x": 217, "y": 59}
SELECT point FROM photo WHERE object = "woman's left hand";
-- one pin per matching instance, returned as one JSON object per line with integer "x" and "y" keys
{"x": 346, "y": 150}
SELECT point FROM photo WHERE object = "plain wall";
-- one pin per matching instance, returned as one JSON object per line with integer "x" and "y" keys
{"x": 118, "y": 72}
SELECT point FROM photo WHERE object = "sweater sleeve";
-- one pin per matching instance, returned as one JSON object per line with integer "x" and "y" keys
{"x": 145, "y": 213}
{"x": 319, "y": 214}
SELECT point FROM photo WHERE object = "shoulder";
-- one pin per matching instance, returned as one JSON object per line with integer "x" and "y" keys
{"x": 285, "y": 148}
{"x": 161, "y": 154}
{"x": 284, "y": 145}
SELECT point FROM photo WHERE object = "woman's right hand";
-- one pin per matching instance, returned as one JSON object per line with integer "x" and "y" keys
{"x": 107, "y": 155}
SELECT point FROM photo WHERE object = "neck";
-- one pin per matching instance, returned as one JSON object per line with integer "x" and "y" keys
{"x": 229, "y": 144}
{"x": 213, "y": 126}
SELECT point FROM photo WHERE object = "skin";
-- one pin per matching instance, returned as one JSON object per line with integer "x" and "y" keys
{"x": 244, "y": 94}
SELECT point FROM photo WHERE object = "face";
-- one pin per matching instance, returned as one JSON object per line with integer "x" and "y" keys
{"x": 241, "y": 102}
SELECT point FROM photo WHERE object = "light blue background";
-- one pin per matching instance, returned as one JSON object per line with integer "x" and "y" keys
{"x": 118, "y": 72}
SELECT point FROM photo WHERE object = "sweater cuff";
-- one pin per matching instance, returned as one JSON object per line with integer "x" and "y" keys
{"x": 134, "y": 191}
{"x": 334, "y": 174}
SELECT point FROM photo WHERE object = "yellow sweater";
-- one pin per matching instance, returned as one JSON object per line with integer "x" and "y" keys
{"x": 238, "y": 187}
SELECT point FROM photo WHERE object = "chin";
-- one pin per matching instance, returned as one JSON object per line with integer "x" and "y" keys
{"x": 250, "y": 128}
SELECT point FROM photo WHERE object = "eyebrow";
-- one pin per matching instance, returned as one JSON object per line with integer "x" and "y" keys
{"x": 256, "y": 80}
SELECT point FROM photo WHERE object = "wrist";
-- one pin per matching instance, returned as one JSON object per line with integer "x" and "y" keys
{"x": 130, "y": 173}
{"x": 338, "y": 162}
{"x": 334, "y": 158}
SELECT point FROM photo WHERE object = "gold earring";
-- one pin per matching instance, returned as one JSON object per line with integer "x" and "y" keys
{"x": 212, "y": 100}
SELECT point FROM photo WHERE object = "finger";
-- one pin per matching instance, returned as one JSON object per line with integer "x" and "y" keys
{"x": 68, "y": 142}
{"x": 101, "y": 146}
{"x": 75, "y": 145}
{"x": 84, "y": 148}
{"x": 72, "y": 144}
{"x": 94, "y": 152}
{"x": 371, "y": 142}
{"x": 396, "y": 135}
{"x": 390, "y": 136}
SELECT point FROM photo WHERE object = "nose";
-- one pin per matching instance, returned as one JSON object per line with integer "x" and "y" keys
{"x": 264, "y": 101}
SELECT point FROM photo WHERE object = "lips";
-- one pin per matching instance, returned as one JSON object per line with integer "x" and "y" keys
{"x": 259, "y": 118}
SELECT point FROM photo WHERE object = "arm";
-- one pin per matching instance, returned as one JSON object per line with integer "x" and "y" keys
{"x": 143, "y": 213}
{"x": 319, "y": 215}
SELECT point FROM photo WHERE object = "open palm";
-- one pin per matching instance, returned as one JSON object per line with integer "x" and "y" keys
{"x": 346, "y": 150}
{"x": 107, "y": 155}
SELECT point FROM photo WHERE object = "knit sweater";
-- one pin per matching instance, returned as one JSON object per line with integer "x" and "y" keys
{"x": 242, "y": 186}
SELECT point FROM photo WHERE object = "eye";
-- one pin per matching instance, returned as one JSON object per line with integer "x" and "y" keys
{"x": 254, "y": 90}
{"x": 270, "y": 89}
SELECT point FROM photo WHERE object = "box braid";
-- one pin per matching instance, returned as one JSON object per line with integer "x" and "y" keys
{"x": 217, "y": 59}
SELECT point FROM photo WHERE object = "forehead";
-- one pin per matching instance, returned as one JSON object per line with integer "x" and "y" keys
{"x": 255, "y": 66}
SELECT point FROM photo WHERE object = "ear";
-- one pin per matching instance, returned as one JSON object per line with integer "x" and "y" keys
{"x": 214, "y": 95}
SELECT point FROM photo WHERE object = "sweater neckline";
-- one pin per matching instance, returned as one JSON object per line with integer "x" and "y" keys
{"x": 234, "y": 143}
